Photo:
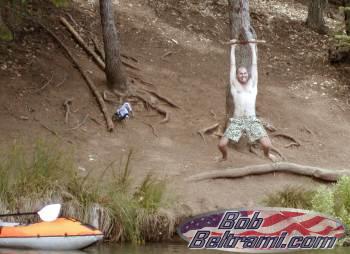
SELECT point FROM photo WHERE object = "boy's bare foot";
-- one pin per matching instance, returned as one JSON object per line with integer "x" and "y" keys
{"x": 273, "y": 158}
{"x": 220, "y": 159}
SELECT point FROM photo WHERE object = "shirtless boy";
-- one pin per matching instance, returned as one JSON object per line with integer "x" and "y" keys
{"x": 244, "y": 90}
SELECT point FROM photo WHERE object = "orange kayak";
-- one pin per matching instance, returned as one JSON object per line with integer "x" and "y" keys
{"x": 61, "y": 234}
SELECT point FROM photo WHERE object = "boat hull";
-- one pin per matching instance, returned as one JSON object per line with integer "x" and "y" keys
{"x": 61, "y": 234}
{"x": 51, "y": 242}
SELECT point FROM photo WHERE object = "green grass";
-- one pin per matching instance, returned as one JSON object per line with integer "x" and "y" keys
{"x": 292, "y": 197}
{"x": 31, "y": 178}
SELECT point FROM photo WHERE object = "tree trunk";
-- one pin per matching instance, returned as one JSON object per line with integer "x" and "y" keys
{"x": 315, "y": 18}
{"x": 347, "y": 16}
{"x": 114, "y": 71}
{"x": 240, "y": 29}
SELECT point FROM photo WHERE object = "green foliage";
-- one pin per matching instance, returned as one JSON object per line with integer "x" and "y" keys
{"x": 149, "y": 195}
{"x": 323, "y": 200}
{"x": 31, "y": 174}
{"x": 60, "y": 3}
{"x": 335, "y": 200}
{"x": 5, "y": 33}
{"x": 46, "y": 174}
{"x": 291, "y": 196}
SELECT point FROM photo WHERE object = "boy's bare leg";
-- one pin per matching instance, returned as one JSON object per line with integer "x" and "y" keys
{"x": 266, "y": 146}
{"x": 223, "y": 147}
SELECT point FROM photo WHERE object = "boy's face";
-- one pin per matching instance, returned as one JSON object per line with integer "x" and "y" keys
{"x": 242, "y": 75}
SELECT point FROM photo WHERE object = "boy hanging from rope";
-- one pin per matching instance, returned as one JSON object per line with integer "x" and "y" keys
{"x": 244, "y": 90}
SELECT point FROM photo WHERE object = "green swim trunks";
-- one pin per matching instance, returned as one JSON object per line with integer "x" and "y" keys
{"x": 251, "y": 125}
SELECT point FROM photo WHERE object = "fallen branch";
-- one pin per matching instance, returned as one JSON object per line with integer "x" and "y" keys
{"x": 80, "y": 40}
{"x": 162, "y": 97}
{"x": 92, "y": 86}
{"x": 203, "y": 131}
{"x": 283, "y": 167}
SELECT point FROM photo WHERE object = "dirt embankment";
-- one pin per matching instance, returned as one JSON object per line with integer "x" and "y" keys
{"x": 178, "y": 51}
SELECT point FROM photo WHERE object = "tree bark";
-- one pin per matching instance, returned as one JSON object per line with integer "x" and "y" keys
{"x": 347, "y": 16}
{"x": 114, "y": 71}
{"x": 315, "y": 18}
{"x": 240, "y": 29}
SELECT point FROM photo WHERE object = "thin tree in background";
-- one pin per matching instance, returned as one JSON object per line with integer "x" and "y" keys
{"x": 347, "y": 16}
{"x": 114, "y": 71}
{"x": 315, "y": 18}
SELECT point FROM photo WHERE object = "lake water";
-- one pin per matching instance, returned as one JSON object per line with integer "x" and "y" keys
{"x": 164, "y": 248}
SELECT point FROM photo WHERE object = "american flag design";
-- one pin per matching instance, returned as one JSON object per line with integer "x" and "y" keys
{"x": 275, "y": 221}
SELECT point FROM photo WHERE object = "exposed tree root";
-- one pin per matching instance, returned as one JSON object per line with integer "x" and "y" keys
{"x": 63, "y": 80}
{"x": 100, "y": 62}
{"x": 110, "y": 125}
{"x": 268, "y": 125}
{"x": 47, "y": 128}
{"x": 101, "y": 52}
{"x": 284, "y": 167}
{"x": 106, "y": 98}
{"x": 275, "y": 150}
{"x": 292, "y": 144}
{"x": 252, "y": 149}
{"x": 131, "y": 66}
{"x": 155, "y": 107}
{"x": 45, "y": 85}
{"x": 79, "y": 124}
{"x": 97, "y": 58}
{"x": 152, "y": 127}
{"x": 205, "y": 130}
{"x": 81, "y": 42}
{"x": 98, "y": 48}
{"x": 168, "y": 53}
{"x": 66, "y": 106}
{"x": 162, "y": 97}
{"x": 308, "y": 130}
{"x": 286, "y": 136}
{"x": 137, "y": 78}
